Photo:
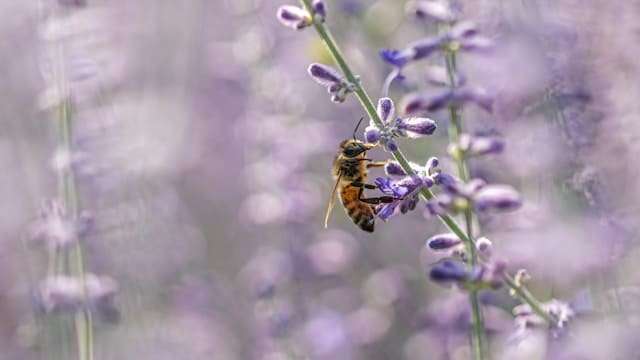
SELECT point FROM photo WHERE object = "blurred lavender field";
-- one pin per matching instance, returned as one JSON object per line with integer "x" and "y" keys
{"x": 171, "y": 159}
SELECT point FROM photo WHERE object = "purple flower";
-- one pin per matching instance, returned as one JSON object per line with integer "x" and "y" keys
{"x": 324, "y": 75}
{"x": 415, "y": 51}
{"x": 64, "y": 293}
{"x": 319, "y": 10}
{"x": 415, "y": 127}
{"x": 327, "y": 76}
{"x": 294, "y": 17}
{"x": 456, "y": 97}
{"x": 448, "y": 271}
{"x": 459, "y": 196}
{"x": 386, "y": 109}
{"x": 56, "y": 229}
{"x": 469, "y": 145}
{"x": 496, "y": 197}
{"x": 404, "y": 191}
{"x": 484, "y": 245}
{"x": 443, "y": 241}
{"x": 371, "y": 134}
{"x": 433, "y": 10}
{"x": 410, "y": 127}
{"x": 393, "y": 168}
{"x": 395, "y": 57}
{"x": 399, "y": 188}
{"x": 463, "y": 30}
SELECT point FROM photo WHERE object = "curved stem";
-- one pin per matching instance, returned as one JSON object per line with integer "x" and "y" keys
{"x": 368, "y": 106}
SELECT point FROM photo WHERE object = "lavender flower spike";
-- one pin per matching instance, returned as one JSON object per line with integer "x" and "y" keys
{"x": 324, "y": 75}
{"x": 416, "y": 127}
{"x": 497, "y": 197}
{"x": 294, "y": 17}
{"x": 443, "y": 241}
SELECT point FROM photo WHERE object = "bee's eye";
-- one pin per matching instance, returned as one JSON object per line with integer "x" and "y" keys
{"x": 352, "y": 151}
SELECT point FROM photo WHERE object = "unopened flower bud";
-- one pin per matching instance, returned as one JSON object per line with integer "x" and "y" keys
{"x": 390, "y": 145}
{"x": 443, "y": 241}
{"x": 324, "y": 75}
{"x": 319, "y": 10}
{"x": 435, "y": 10}
{"x": 386, "y": 109}
{"x": 371, "y": 134}
{"x": 416, "y": 127}
{"x": 448, "y": 271}
{"x": 497, "y": 197}
{"x": 484, "y": 246}
{"x": 294, "y": 17}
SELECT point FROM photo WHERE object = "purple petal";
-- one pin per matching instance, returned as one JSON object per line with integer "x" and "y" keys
{"x": 293, "y": 17}
{"x": 463, "y": 30}
{"x": 431, "y": 10}
{"x": 443, "y": 241}
{"x": 385, "y": 211}
{"x": 416, "y": 127}
{"x": 484, "y": 145}
{"x": 395, "y": 57}
{"x": 448, "y": 271}
{"x": 476, "y": 43}
{"x": 390, "y": 145}
{"x": 425, "y": 47}
{"x": 413, "y": 103}
{"x": 371, "y": 134}
{"x": 431, "y": 164}
{"x": 320, "y": 9}
{"x": 394, "y": 169}
{"x": 324, "y": 75}
{"x": 497, "y": 197}
{"x": 409, "y": 204}
{"x": 384, "y": 185}
{"x": 386, "y": 109}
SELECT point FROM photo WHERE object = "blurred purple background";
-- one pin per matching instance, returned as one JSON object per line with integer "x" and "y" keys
{"x": 203, "y": 150}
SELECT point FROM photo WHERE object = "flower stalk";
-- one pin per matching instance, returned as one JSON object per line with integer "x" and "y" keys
{"x": 68, "y": 194}
{"x": 478, "y": 338}
{"x": 425, "y": 193}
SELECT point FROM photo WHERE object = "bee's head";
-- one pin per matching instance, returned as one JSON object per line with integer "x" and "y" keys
{"x": 351, "y": 148}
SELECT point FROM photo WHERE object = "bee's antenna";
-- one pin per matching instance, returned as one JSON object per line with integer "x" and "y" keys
{"x": 357, "y": 126}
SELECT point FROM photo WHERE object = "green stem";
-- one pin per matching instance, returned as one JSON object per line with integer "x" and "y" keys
{"x": 478, "y": 338}
{"x": 69, "y": 195}
{"x": 527, "y": 297}
{"x": 368, "y": 106}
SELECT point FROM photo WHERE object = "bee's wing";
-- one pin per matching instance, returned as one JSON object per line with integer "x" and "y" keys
{"x": 332, "y": 201}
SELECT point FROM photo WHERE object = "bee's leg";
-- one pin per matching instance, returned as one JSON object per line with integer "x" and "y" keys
{"x": 378, "y": 200}
{"x": 375, "y": 164}
{"x": 363, "y": 185}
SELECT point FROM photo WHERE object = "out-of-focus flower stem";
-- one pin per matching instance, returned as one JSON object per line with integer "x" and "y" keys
{"x": 478, "y": 338}
{"x": 368, "y": 106}
{"x": 68, "y": 193}
{"x": 527, "y": 297}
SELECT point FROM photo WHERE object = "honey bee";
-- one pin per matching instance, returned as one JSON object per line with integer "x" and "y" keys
{"x": 350, "y": 168}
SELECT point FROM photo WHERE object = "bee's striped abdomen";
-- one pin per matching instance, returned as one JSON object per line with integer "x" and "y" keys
{"x": 361, "y": 213}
